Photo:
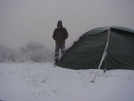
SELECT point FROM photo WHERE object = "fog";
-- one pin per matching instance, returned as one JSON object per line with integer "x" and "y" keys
{"x": 22, "y": 21}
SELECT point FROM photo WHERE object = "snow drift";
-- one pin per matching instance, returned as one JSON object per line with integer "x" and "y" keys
{"x": 42, "y": 82}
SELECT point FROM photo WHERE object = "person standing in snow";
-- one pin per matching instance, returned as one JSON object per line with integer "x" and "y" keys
{"x": 60, "y": 34}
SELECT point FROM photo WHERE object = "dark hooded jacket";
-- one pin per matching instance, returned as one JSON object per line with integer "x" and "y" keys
{"x": 60, "y": 35}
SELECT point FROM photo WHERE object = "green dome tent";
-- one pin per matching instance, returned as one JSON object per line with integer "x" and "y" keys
{"x": 107, "y": 47}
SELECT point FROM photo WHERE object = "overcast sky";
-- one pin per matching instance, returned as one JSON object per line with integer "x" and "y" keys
{"x": 22, "y": 21}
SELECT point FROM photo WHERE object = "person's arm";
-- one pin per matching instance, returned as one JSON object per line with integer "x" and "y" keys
{"x": 54, "y": 37}
{"x": 66, "y": 34}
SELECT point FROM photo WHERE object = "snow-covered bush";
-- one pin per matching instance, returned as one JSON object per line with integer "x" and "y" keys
{"x": 33, "y": 51}
{"x": 6, "y": 54}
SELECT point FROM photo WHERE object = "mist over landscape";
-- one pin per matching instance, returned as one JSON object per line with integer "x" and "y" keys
{"x": 35, "y": 20}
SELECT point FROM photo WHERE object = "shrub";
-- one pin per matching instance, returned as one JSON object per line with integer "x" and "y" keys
{"x": 33, "y": 51}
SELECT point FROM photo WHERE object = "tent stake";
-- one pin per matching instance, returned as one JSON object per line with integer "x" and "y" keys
{"x": 103, "y": 56}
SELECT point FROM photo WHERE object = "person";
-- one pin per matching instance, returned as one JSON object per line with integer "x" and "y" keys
{"x": 60, "y": 34}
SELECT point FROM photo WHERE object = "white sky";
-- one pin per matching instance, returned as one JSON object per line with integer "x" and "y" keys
{"x": 22, "y": 21}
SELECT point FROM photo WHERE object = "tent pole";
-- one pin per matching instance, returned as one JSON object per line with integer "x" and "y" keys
{"x": 105, "y": 60}
{"x": 103, "y": 56}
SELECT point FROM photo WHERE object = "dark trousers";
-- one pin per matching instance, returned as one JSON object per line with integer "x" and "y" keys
{"x": 58, "y": 48}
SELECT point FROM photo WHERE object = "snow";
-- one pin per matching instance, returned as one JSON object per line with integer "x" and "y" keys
{"x": 43, "y": 82}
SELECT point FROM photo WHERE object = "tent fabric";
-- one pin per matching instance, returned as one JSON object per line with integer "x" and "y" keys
{"x": 87, "y": 51}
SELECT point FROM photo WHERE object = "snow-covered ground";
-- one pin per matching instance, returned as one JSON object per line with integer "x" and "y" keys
{"x": 43, "y": 82}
